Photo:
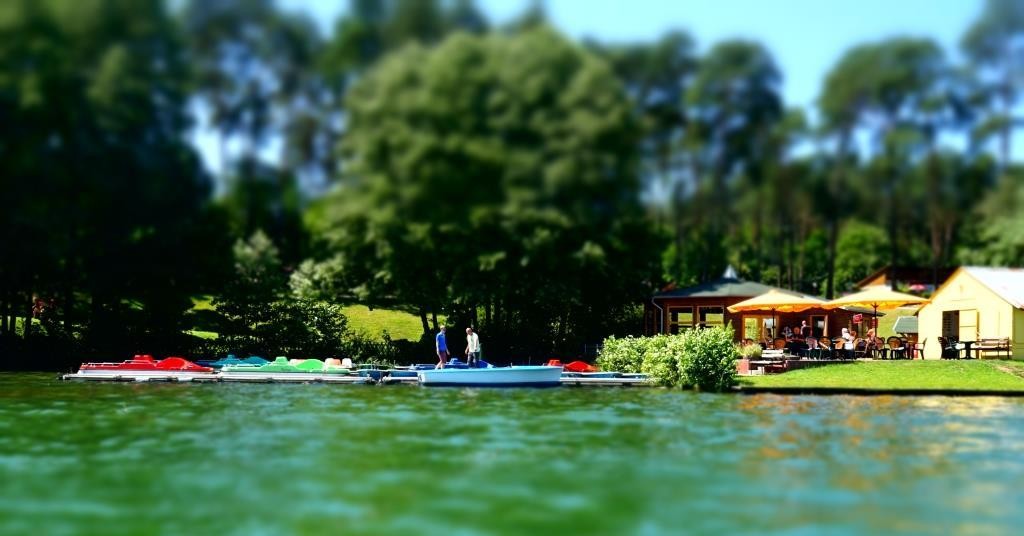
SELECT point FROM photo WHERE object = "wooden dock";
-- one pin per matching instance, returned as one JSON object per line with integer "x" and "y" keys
{"x": 345, "y": 379}
{"x": 119, "y": 376}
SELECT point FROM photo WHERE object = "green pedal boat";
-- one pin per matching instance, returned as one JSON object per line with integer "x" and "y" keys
{"x": 281, "y": 365}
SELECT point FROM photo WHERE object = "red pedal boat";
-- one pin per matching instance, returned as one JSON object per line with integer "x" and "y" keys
{"x": 144, "y": 366}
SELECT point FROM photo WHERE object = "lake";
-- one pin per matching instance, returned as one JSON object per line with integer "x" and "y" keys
{"x": 252, "y": 459}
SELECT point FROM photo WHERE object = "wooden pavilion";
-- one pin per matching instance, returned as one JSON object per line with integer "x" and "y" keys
{"x": 675, "y": 310}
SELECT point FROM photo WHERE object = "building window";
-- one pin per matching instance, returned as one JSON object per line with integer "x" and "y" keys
{"x": 951, "y": 324}
{"x": 711, "y": 316}
{"x": 680, "y": 319}
{"x": 755, "y": 327}
{"x": 817, "y": 326}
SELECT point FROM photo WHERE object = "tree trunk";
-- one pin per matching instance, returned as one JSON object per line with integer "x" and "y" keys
{"x": 433, "y": 318}
{"x": 756, "y": 271}
{"x": 3, "y": 313}
{"x": 833, "y": 237}
{"x": 423, "y": 320}
{"x": 27, "y": 330}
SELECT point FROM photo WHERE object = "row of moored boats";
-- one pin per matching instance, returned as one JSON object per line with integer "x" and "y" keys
{"x": 253, "y": 368}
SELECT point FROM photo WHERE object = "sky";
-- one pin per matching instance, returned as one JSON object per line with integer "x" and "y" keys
{"x": 807, "y": 37}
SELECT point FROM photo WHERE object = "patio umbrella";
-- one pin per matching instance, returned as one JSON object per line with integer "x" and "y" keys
{"x": 777, "y": 301}
{"x": 875, "y": 297}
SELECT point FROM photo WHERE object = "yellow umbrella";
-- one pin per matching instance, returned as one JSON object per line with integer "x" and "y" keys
{"x": 875, "y": 297}
{"x": 777, "y": 301}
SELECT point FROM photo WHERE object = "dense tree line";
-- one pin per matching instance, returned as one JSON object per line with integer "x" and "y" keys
{"x": 419, "y": 156}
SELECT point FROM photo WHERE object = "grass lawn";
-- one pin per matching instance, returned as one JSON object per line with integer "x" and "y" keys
{"x": 952, "y": 375}
{"x": 886, "y": 322}
{"x": 208, "y": 335}
{"x": 399, "y": 324}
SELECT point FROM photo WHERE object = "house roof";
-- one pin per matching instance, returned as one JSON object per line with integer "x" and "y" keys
{"x": 719, "y": 288}
{"x": 1007, "y": 283}
{"x": 732, "y": 287}
{"x": 908, "y": 274}
{"x": 905, "y": 324}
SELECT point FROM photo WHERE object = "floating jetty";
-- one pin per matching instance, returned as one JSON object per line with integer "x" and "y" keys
{"x": 256, "y": 377}
{"x": 143, "y": 368}
{"x": 348, "y": 379}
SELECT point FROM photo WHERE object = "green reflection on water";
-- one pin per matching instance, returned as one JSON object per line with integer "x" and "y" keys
{"x": 311, "y": 459}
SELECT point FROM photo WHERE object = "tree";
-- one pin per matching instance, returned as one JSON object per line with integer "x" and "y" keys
{"x": 260, "y": 315}
{"x": 995, "y": 45}
{"x": 494, "y": 175}
{"x": 656, "y": 76}
{"x": 95, "y": 97}
{"x": 733, "y": 105}
{"x": 859, "y": 253}
{"x": 892, "y": 88}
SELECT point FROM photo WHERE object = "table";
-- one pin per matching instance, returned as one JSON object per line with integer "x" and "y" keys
{"x": 967, "y": 348}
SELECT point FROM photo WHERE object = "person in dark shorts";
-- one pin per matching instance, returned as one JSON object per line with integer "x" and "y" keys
{"x": 441, "y": 343}
{"x": 472, "y": 347}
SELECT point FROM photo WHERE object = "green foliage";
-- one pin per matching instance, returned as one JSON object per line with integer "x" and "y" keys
{"x": 661, "y": 359}
{"x": 451, "y": 209}
{"x": 260, "y": 317}
{"x": 625, "y": 354}
{"x": 701, "y": 358}
{"x": 708, "y": 359}
{"x": 861, "y": 249}
{"x": 999, "y": 227}
{"x": 750, "y": 351}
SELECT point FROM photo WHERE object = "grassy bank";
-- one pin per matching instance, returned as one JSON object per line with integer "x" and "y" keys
{"x": 947, "y": 375}
{"x": 399, "y": 324}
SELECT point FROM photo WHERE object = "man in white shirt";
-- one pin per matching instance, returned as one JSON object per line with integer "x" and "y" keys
{"x": 472, "y": 347}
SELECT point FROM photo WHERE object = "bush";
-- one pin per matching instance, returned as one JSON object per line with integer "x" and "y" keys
{"x": 623, "y": 355}
{"x": 708, "y": 359}
{"x": 702, "y": 358}
{"x": 750, "y": 351}
{"x": 661, "y": 359}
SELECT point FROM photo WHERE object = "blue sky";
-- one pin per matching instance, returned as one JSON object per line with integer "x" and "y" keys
{"x": 806, "y": 36}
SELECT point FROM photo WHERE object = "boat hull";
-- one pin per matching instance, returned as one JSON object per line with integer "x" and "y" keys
{"x": 539, "y": 376}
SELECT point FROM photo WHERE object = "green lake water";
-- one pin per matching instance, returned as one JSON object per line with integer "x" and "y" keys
{"x": 257, "y": 459}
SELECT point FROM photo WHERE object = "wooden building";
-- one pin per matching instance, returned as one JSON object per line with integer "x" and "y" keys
{"x": 896, "y": 277}
{"x": 975, "y": 303}
{"x": 675, "y": 310}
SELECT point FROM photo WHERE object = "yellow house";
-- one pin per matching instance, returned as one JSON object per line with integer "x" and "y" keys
{"x": 975, "y": 303}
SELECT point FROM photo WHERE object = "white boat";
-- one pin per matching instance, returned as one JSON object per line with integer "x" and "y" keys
{"x": 539, "y": 376}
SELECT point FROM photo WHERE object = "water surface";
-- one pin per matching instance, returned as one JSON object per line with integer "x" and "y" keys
{"x": 330, "y": 459}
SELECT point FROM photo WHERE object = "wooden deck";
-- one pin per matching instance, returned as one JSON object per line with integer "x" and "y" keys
{"x": 125, "y": 376}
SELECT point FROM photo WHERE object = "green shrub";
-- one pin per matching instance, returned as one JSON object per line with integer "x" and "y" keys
{"x": 623, "y": 355}
{"x": 707, "y": 361}
{"x": 750, "y": 351}
{"x": 661, "y": 359}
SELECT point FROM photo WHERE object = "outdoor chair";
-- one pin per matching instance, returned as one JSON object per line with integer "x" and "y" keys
{"x": 860, "y": 348}
{"x": 918, "y": 349}
{"x": 950, "y": 349}
{"x": 897, "y": 349}
{"x": 814, "y": 350}
{"x": 779, "y": 344}
{"x": 839, "y": 348}
{"x": 825, "y": 344}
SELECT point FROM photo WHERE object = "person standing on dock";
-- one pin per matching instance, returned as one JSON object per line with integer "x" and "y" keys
{"x": 472, "y": 347}
{"x": 441, "y": 343}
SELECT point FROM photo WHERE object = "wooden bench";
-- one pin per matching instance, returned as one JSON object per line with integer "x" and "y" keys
{"x": 997, "y": 345}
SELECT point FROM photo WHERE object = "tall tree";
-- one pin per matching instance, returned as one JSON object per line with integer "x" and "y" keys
{"x": 96, "y": 94}
{"x": 733, "y": 105}
{"x": 495, "y": 175}
{"x": 995, "y": 44}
